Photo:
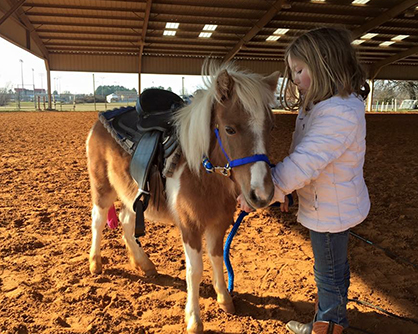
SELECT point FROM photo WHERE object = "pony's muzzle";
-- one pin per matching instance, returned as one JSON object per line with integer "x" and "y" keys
{"x": 260, "y": 199}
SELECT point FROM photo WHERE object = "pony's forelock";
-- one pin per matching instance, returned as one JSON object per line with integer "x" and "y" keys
{"x": 193, "y": 121}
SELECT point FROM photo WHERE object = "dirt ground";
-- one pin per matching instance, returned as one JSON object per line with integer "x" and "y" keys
{"x": 45, "y": 282}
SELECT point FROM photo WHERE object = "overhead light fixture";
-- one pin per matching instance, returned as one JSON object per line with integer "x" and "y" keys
{"x": 384, "y": 44}
{"x": 360, "y": 2}
{"x": 281, "y": 31}
{"x": 358, "y": 41}
{"x": 172, "y": 25}
{"x": 205, "y": 34}
{"x": 318, "y": 1}
{"x": 272, "y": 38}
{"x": 369, "y": 36}
{"x": 210, "y": 27}
{"x": 399, "y": 38}
{"x": 169, "y": 33}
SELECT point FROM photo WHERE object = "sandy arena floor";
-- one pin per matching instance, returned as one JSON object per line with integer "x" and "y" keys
{"x": 46, "y": 287}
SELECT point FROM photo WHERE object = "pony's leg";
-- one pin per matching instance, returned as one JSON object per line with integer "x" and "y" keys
{"x": 136, "y": 254}
{"x": 98, "y": 216}
{"x": 103, "y": 198}
{"x": 194, "y": 272}
{"x": 214, "y": 245}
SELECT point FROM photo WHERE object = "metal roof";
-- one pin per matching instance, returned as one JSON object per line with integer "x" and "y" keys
{"x": 128, "y": 35}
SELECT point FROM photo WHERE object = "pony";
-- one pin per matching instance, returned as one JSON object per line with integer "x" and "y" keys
{"x": 230, "y": 119}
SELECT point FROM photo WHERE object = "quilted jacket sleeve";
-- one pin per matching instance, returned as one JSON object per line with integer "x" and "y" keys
{"x": 332, "y": 131}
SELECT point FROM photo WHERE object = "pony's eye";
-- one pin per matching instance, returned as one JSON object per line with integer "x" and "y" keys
{"x": 229, "y": 130}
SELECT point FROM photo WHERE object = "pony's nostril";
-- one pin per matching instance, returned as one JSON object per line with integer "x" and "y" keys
{"x": 253, "y": 196}
{"x": 259, "y": 198}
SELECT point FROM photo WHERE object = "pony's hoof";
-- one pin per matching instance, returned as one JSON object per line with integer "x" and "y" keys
{"x": 95, "y": 265}
{"x": 151, "y": 273}
{"x": 95, "y": 268}
{"x": 227, "y": 307}
{"x": 196, "y": 328}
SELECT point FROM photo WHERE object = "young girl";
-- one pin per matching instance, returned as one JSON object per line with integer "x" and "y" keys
{"x": 325, "y": 164}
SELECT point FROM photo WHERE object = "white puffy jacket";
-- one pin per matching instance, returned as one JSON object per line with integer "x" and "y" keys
{"x": 325, "y": 166}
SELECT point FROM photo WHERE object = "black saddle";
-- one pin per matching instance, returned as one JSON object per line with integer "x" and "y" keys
{"x": 146, "y": 132}
{"x": 155, "y": 108}
{"x": 153, "y": 112}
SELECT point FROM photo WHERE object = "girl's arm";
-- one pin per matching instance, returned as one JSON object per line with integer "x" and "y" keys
{"x": 332, "y": 131}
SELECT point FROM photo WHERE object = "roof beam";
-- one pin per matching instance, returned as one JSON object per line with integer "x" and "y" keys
{"x": 94, "y": 8}
{"x": 386, "y": 16}
{"x": 80, "y": 24}
{"x": 83, "y": 32}
{"x": 267, "y": 17}
{"x": 144, "y": 32}
{"x": 375, "y": 69}
{"x": 143, "y": 35}
{"x": 21, "y": 15}
{"x": 10, "y": 12}
{"x": 48, "y": 39}
{"x": 82, "y": 16}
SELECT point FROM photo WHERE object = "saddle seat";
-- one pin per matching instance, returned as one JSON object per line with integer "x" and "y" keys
{"x": 155, "y": 108}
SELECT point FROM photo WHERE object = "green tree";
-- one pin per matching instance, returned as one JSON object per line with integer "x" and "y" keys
{"x": 106, "y": 89}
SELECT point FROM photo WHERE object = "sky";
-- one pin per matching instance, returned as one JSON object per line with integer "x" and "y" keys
{"x": 34, "y": 73}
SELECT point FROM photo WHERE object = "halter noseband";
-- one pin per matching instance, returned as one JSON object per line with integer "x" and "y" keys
{"x": 226, "y": 170}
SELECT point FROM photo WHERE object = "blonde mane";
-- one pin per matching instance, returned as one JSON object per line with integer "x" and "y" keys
{"x": 193, "y": 121}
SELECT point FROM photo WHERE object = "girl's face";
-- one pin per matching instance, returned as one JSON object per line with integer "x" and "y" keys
{"x": 300, "y": 74}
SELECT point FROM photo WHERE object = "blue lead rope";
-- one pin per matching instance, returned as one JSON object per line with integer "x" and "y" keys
{"x": 228, "y": 242}
{"x": 226, "y": 250}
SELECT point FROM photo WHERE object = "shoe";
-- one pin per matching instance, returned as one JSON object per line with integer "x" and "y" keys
{"x": 324, "y": 327}
{"x": 299, "y": 328}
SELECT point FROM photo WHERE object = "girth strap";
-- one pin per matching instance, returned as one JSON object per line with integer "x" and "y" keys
{"x": 140, "y": 166}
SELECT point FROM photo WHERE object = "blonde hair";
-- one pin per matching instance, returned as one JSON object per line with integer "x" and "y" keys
{"x": 333, "y": 67}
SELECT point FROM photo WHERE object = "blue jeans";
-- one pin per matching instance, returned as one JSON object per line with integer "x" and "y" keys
{"x": 332, "y": 275}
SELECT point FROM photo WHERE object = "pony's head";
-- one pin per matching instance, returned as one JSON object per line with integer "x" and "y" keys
{"x": 238, "y": 104}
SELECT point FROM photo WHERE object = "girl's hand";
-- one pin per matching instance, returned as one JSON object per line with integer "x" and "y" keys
{"x": 243, "y": 204}
{"x": 284, "y": 207}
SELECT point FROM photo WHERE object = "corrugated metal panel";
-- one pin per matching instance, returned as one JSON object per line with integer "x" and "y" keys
{"x": 171, "y": 65}
{"x": 94, "y": 63}
{"x": 113, "y": 30}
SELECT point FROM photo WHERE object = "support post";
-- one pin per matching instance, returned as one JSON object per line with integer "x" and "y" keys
{"x": 48, "y": 83}
{"x": 370, "y": 97}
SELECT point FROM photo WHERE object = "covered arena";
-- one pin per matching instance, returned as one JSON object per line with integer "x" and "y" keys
{"x": 45, "y": 284}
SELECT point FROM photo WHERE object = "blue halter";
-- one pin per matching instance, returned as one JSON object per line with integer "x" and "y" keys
{"x": 226, "y": 170}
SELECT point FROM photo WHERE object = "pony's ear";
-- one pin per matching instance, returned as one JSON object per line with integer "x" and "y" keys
{"x": 224, "y": 85}
{"x": 272, "y": 80}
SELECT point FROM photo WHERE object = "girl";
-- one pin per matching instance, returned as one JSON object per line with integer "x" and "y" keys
{"x": 324, "y": 80}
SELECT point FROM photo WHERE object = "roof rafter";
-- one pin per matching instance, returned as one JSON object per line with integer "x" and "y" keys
{"x": 71, "y": 7}
{"x": 144, "y": 32}
{"x": 10, "y": 12}
{"x": 378, "y": 66}
{"x": 84, "y": 16}
{"x": 21, "y": 15}
{"x": 386, "y": 16}
{"x": 267, "y": 17}
{"x": 93, "y": 25}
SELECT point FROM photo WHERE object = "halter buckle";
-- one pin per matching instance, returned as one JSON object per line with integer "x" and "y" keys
{"x": 225, "y": 171}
